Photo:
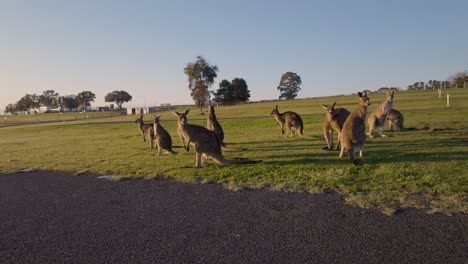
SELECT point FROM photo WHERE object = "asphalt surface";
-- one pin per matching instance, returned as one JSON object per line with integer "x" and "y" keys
{"x": 49, "y": 217}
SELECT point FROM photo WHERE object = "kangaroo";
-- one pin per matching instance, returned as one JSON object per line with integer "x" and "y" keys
{"x": 353, "y": 134}
{"x": 292, "y": 121}
{"x": 147, "y": 131}
{"x": 395, "y": 120}
{"x": 205, "y": 142}
{"x": 162, "y": 139}
{"x": 333, "y": 121}
{"x": 379, "y": 115}
{"x": 213, "y": 125}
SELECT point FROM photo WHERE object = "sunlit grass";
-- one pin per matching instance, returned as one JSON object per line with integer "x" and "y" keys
{"x": 424, "y": 167}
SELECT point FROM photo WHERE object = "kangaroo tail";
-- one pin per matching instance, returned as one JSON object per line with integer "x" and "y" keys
{"x": 231, "y": 149}
{"x": 301, "y": 130}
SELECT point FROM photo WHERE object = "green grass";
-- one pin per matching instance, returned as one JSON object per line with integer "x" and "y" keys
{"x": 425, "y": 167}
{"x": 8, "y": 120}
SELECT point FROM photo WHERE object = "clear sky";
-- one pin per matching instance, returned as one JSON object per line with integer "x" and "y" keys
{"x": 142, "y": 47}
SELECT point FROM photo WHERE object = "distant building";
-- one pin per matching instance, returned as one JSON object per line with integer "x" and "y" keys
{"x": 141, "y": 110}
{"x": 164, "y": 107}
{"x": 44, "y": 109}
{"x": 102, "y": 109}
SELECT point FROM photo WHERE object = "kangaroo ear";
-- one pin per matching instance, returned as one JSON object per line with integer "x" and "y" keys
{"x": 176, "y": 113}
{"x": 325, "y": 107}
{"x": 359, "y": 94}
{"x": 276, "y": 107}
{"x": 333, "y": 105}
{"x": 187, "y": 111}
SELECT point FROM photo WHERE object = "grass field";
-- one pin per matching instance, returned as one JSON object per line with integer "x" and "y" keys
{"x": 424, "y": 167}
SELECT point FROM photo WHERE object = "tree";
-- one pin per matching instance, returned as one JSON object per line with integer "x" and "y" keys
{"x": 85, "y": 97}
{"x": 201, "y": 76}
{"x": 289, "y": 85}
{"x": 119, "y": 97}
{"x": 383, "y": 89}
{"x": 458, "y": 79}
{"x": 69, "y": 101}
{"x": 26, "y": 103}
{"x": 240, "y": 90}
{"x": 445, "y": 84}
{"x": 10, "y": 108}
{"x": 49, "y": 98}
{"x": 228, "y": 92}
{"x": 224, "y": 93}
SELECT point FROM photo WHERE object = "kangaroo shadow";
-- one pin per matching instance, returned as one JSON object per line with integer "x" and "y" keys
{"x": 324, "y": 158}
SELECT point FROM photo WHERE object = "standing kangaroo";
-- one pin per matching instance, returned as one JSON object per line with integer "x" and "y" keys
{"x": 333, "y": 121}
{"x": 205, "y": 142}
{"x": 213, "y": 125}
{"x": 353, "y": 134}
{"x": 290, "y": 120}
{"x": 147, "y": 131}
{"x": 161, "y": 137}
{"x": 379, "y": 115}
{"x": 395, "y": 120}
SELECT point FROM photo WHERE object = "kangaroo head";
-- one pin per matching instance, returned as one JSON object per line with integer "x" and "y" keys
{"x": 363, "y": 99}
{"x": 139, "y": 119}
{"x": 390, "y": 95}
{"x": 181, "y": 117}
{"x": 329, "y": 109}
{"x": 156, "y": 119}
{"x": 275, "y": 111}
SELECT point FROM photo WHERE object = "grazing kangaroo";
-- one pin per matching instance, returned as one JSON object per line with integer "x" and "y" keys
{"x": 353, "y": 134}
{"x": 379, "y": 115}
{"x": 147, "y": 131}
{"x": 292, "y": 121}
{"x": 213, "y": 125}
{"x": 161, "y": 137}
{"x": 395, "y": 120}
{"x": 205, "y": 142}
{"x": 333, "y": 121}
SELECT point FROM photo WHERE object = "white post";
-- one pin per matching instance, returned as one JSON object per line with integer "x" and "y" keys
{"x": 448, "y": 100}
{"x": 440, "y": 92}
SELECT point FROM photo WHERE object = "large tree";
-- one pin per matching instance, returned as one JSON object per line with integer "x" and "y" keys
{"x": 289, "y": 86}
{"x": 10, "y": 108}
{"x": 49, "y": 98}
{"x": 119, "y": 97}
{"x": 69, "y": 102}
{"x": 458, "y": 79}
{"x": 224, "y": 93}
{"x": 26, "y": 103}
{"x": 228, "y": 92}
{"x": 85, "y": 97}
{"x": 201, "y": 76}
{"x": 240, "y": 90}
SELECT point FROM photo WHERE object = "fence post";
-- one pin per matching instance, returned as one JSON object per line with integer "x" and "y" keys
{"x": 448, "y": 100}
{"x": 440, "y": 92}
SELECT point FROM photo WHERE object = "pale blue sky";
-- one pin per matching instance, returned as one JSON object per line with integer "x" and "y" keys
{"x": 337, "y": 47}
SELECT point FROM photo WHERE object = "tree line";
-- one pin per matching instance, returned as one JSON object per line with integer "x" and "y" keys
{"x": 51, "y": 99}
{"x": 457, "y": 80}
{"x": 201, "y": 76}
